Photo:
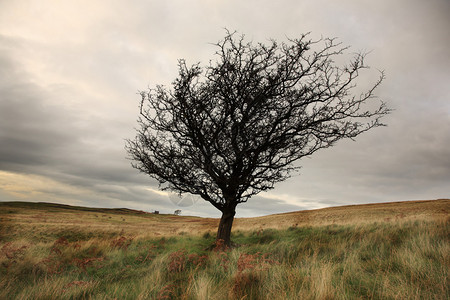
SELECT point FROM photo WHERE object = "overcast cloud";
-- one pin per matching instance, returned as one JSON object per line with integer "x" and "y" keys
{"x": 70, "y": 73}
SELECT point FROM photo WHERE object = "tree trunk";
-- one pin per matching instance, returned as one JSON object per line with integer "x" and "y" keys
{"x": 224, "y": 231}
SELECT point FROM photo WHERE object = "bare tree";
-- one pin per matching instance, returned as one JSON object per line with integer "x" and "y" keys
{"x": 234, "y": 128}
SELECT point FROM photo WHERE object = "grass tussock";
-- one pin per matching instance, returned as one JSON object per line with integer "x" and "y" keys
{"x": 389, "y": 258}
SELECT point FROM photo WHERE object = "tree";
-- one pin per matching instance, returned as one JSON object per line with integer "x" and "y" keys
{"x": 234, "y": 128}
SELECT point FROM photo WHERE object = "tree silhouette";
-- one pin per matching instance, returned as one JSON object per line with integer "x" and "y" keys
{"x": 234, "y": 128}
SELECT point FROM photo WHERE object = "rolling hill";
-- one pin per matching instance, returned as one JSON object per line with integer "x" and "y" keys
{"x": 23, "y": 216}
{"x": 398, "y": 250}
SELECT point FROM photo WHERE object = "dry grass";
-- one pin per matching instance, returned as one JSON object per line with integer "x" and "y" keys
{"x": 380, "y": 251}
{"x": 19, "y": 219}
{"x": 352, "y": 214}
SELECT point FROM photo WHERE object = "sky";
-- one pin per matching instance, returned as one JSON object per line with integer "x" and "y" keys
{"x": 70, "y": 73}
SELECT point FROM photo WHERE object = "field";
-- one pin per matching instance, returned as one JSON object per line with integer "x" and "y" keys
{"x": 379, "y": 251}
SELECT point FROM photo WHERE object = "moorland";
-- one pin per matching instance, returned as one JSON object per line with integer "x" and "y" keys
{"x": 397, "y": 250}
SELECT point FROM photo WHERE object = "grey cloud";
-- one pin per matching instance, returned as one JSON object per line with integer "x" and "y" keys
{"x": 258, "y": 206}
{"x": 39, "y": 133}
{"x": 29, "y": 131}
{"x": 71, "y": 125}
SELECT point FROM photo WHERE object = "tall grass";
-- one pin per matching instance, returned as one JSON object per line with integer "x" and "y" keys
{"x": 387, "y": 260}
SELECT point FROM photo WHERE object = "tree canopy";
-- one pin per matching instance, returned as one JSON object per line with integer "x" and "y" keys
{"x": 234, "y": 128}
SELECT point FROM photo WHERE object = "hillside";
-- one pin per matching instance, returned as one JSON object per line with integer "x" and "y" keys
{"x": 18, "y": 218}
{"x": 353, "y": 214}
{"x": 378, "y": 251}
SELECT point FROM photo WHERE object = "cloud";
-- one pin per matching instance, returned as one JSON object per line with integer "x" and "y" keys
{"x": 29, "y": 130}
{"x": 43, "y": 130}
{"x": 70, "y": 77}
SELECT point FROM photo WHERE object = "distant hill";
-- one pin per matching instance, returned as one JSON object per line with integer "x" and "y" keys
{"x": 352, "y": 214}
{"x": 55, "y": 207}
{"x": 60, "y": 216}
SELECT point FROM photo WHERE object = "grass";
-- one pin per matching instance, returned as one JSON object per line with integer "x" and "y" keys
{"x": 46, "y": 254}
